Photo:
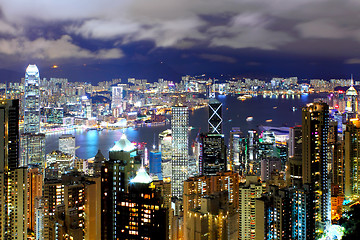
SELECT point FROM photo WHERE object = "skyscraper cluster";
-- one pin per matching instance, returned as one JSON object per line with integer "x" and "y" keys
{"x": 262, "y": 184}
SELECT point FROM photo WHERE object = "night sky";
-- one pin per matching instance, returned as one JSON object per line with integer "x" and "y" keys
{"x": 99, "y": 40}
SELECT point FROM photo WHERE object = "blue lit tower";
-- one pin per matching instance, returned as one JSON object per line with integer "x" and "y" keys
{"x": 315, "y": 128}
{"x": 32, "y": 100}
{"x": 180, "y": 144}
{"x": 215, "y": 116}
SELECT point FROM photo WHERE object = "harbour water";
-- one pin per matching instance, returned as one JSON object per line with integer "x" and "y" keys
{"x": 265, "y": 111}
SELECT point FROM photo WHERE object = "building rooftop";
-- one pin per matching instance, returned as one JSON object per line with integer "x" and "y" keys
{"x": 123, "y": 145}
{"x": 141, "y": 177}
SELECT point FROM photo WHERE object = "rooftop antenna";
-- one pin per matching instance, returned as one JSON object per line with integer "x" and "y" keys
{"x": 352, "y": 80}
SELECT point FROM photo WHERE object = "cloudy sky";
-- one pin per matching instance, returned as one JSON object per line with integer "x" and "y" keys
{"x": 93, "y": 40}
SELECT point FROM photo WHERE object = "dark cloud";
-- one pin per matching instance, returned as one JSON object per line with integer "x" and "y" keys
{"x": 211, "y": 31}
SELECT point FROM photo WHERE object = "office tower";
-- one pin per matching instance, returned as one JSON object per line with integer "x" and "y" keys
{"x": 32, "y": 149}
{"x": 155, "y": 163}
{"x": 95, "y": 164}
{"x": 116, "y": 97}
{"x": 294, "y": 164}
{"x": 252, "y": 145}
{"x": 32, "y": 100}
{"x": 86, "y": 110}
{"x": 35, "y": 186}
{"x": 215, "y": 116}
{"x": 141, "y": 213}
{"x": 351, "y": 100}
{"x": 315, "y": 128}
{"x": 58, "y": 163}
{"x": 269, "y": 167}
{"x": 32, "y": 144}
{"x": 213, "y": 155}
{"x": 116, "y": 174}
{"x": 235, "y": 148}
{"x": 273, "y": 215}
{"x": 67, "y": 144}
{"x": 13, "y": 180}
{"x": 295, "y": 141}
{"x": 165, "y": 147}
{"x": 196, "y": 190}
{"x": 352, "y": 157}
{"x": 180, "y": 145}
{"x": 248, "y": 193}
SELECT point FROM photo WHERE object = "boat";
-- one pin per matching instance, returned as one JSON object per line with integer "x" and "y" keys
{"x": 269, "y": 120}
{"x": 274, "y": 107}
{"x": 294, "y": 109}
{"x": 249, "y": 119}
{"x": 242, "y": 98}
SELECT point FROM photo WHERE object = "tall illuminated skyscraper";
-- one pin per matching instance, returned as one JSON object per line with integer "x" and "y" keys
{"x": 116, "y": 97}
{"x": 352, "y": 157}
{"x": 32, "y": 145}
{"x": 215, "y": 116}
{"x": 67, "y": 144}
{"x": 13, "y": 180}
{"x": 180, "y": 144}
{"x": 32, "y": 100}
{"x": 315, "y": 127}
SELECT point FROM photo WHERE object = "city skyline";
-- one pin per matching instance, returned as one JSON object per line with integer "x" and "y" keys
{"x": 99, "y": 41}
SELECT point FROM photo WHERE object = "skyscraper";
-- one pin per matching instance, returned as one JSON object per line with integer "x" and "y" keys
{"x": 215, "y": 116}
{"x": 315, "y": 127}
{"x": 141, "y": 213}
{"x": 213, "y": 154}
{"x": 116, "y": 174}
{"x": 352, "y": 157}
{"x": 32, "y": 100}
{"x": 67, "y": 144}
{"x": 13, "y": 180}
{"x": 116, "y": 97}
{"x": 32, "y": 145}
{"x": 165, "y": 147}
{"x": 180, "y": 145}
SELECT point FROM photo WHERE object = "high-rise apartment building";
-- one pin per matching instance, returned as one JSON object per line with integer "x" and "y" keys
{"x": 315, "y": 130}
{"x": 141, "y": 213}
{"x": 285, "y": 213}
{"x": 248, "y": 193}
{"x": 180, "y": 145}
{"x": 35, "y": 187}
{"x": 32, "y": 100}
{"x": 204, "y": 215}
{"x": 13, "y": 180}
{"x": 352, "y": 159}
{"x": 215, "y": 116}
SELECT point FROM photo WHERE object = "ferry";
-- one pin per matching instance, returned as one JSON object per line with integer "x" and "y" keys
{"x": 249, "y": 119}
{"x": 242, "y": 98}
{"x": 269, "y": 120}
